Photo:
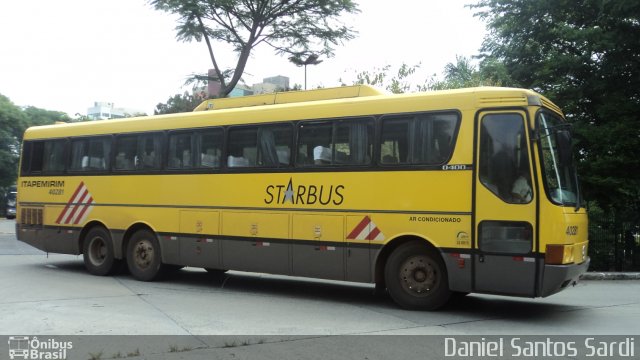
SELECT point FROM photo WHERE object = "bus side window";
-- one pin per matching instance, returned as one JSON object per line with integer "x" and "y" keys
{"x": 180, "y": 154}
{"x": 275, "y": 145}
{"x": 37, "y": 156}
{"x": 99, "y": 153}
{"x": 353, "y": 142}
{"x": 54, "y": 159}
{"x": 314, "y": 143}
{"x": 242, "y": 148}
{"x": 149, "y": 151}
{"x": 126, "y": 148}
{"x": 421, "y": 139}
{"x": 209, "y": 148}
{"x": 394, "y": 142}
{"x": 90, "y": 154}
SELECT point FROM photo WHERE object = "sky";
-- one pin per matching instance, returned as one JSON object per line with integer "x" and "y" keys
{"x": 64, "y": 55}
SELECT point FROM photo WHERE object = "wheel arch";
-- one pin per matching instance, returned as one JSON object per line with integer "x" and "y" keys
{"x": 132, "y": 230}
{"x": 389, "y": 247}
{"x": 88, "y": 227}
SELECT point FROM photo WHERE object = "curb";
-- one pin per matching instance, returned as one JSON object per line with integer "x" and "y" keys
{"x": 610, "y": 276}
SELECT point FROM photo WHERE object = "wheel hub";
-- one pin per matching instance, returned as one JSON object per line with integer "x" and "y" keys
{"x": 418, "y": 275}
{"x": 97, "y": 251}
{"x": 143, "y": 254}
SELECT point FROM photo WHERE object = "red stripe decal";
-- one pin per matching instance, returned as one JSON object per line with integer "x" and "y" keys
{"x": 64, "y": 211}
{"x": 84, "y": 209}
{"x": 372, "y": 235}
{"x": 75, "y": 208}
{"x": 363, "y": 224}
{"x": 66, "y": 208}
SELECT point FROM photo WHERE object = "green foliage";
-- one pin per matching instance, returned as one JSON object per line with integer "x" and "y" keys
{"x": 36, "y": 116}
{"x": 178, "y": 103}
{"x": 397, "y": 81}
{"x": 296, "y": 28}
{"x": 460, "y": 74}
{"x": 463, "y": 74}
{"x": 585, "y": 55}
{"x": 13, "y": 122}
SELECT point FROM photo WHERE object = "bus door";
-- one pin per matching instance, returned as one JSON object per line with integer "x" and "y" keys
{"x": 504, "y": 206}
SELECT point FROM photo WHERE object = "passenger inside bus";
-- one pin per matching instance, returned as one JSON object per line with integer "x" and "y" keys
{"x": 122, "y": 163}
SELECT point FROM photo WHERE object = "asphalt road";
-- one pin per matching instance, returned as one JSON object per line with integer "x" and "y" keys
{"x": 53, "y": 294}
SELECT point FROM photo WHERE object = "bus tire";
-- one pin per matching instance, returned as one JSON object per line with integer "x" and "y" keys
{"x": 97, "y": 252}
{"x": 143, "y": 256}
{"x": 416, "y": 277}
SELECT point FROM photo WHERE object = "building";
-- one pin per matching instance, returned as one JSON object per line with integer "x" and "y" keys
{"x": 107, "y": 110}
{"x": 264, "y": 88}
{"x": 281, "y": 82}
{"x": 271, "y": 84}
{"x": 241, "y": 90}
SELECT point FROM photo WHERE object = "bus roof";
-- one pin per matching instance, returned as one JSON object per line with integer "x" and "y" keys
{"x": 288, "y": 97}
{"x": 349, "y": 101}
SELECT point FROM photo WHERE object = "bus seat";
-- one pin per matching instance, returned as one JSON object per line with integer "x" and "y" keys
{"x": 237, "y": 161}
{"x": 321, "y": 155}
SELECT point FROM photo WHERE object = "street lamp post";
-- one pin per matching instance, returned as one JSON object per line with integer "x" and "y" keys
{"x": 311, "y": 60}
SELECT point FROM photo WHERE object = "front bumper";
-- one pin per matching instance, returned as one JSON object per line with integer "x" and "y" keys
{"x": 556, "y": 278}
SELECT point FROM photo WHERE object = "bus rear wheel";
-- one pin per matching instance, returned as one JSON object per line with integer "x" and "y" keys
{"x": 416, "y": 277}
{"x": 97, "y": 252}
{"x": 143, "y": 256}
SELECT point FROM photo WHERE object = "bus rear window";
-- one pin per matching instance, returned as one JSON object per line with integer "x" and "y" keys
{"x": 43, "y": 157}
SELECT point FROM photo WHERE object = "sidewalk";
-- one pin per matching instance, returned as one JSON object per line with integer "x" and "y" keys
{"x": 610, "y": 276}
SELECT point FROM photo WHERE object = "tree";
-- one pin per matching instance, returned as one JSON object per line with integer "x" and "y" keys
{"x": 395, "y": 81}
{"x": 584, "y": 55}
{"x": 36, "y": 116}
{"x": 12, "y": 121}
{"x": 463, "y": 73}
{"x": 178, "y": 103}
{"x": 293, "y": 27}
{"x": 457, "y": 75}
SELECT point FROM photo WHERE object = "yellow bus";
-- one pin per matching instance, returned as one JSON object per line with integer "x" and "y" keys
{"x": 426, "y": 195}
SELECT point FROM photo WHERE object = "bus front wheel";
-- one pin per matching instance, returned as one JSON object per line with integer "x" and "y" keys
{"x": 143, "y": 256}
{"x": 97, "y": 252}
{"x": 416, "y": 277}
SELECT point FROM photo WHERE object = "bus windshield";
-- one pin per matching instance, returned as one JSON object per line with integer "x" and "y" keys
{"x": 559, "y": 173}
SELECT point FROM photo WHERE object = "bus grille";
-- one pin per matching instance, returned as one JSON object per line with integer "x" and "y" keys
{"x": 31, "y": 217}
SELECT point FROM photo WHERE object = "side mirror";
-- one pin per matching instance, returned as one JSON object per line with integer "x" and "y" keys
{"x": 563, "y": 141}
